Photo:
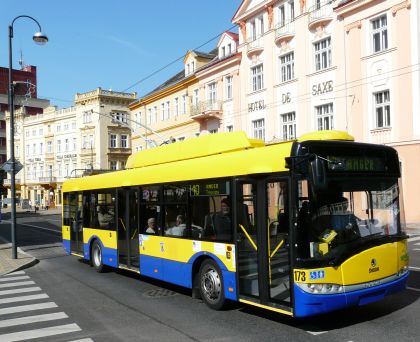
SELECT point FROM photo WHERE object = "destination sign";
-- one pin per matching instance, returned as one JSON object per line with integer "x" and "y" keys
{"x": 210, "y": 188}
{"x": 356, "y": 164}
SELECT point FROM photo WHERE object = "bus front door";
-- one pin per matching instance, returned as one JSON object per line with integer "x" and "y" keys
{"x": 262, "y": 222}
{"x": 128, "y": 228}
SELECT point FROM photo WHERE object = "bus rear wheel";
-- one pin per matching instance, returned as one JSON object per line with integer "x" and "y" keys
{"x": 97, "y": 256}
{"x": 211, "y": 285}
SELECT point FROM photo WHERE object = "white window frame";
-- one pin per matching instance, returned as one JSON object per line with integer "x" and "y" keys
{"x": 228, "y": 87}
{"x": 258, "y": 129}
{"x": 379, "y": 33}
{"x": 382, "y": 103}
{"x": 257, "y": 77}
{"x": 288, "y": 126}
{"x": 124, "y": 140}
{"x": 322, "y": 54}
{"x": 287, "y": 67}
{"x": 325, "y": 116}
{"x": 113, "y": 141}
{"x": 212, "y": 92}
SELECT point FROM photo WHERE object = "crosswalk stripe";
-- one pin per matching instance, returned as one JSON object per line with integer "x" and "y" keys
{"x": 22, "y": 298}
{"x": 38, "y": 333}
{"x": 414, "y": 238}
{"x": 29, "y": 289}
{"x": 14, "y": 273}
{"x": 32, "y": 319}
{"x": 4, "y": 280}
{"x": 17, "y": 283}
{"x": 30, "y": 307}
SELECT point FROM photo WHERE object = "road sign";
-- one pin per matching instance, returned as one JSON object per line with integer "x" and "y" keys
{"x": 8, "y": 166}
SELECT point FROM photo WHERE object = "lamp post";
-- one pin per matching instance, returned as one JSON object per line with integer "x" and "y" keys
{"x": 41, "y": 39}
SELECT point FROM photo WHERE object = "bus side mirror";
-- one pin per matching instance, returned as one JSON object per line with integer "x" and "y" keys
{"x": 317, "y": 174}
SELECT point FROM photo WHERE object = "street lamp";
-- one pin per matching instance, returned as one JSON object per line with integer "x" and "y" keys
{"x": 40, "y": 39}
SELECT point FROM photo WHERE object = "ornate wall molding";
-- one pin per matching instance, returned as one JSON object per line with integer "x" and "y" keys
{"x": 400, "y": 6}
{"x": 356, "y": 24}
{"x": 270, "y": 16}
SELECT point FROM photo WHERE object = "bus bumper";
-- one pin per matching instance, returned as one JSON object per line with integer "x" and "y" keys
{"x": 307, "y": 304}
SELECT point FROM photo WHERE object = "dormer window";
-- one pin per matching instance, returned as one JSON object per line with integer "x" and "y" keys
{"x": 192, "y": 66}
{"x": 229, "y": 48}
{"x": 223, "y": 51}
{"x": 188, "y": 69}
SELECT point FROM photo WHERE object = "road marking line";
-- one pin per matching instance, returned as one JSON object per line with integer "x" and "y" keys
{"x": 316, "y": 332}
{"x": 83, "y": 340}
{"x": 414, "y": 268}
{"x": 29, "y": 289}
{"x": 38, "y": 333}
{"x": 32, "y": 319}
{"x": 14, "y": 273}
{"x": 413, "y": 289}
{"x": 23, "y": 298}
{"x": 416, "y": 249}
{"x": 42, "y": 228}
{"x": 17, "y": 283}
{"x": 3, "y": 280}
{"x": 29, "y": 307}
{"x": 414, "y": 238}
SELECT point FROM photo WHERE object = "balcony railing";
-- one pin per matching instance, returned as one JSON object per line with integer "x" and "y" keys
{"x": 7, "y": 181}
{"x": 255, "y": 45}
{"x": 285, "y": 30}
{"x": 45, "y": 180}
{"x": 380, "y": 135}
{"x": 206, "y": 108}
{"x": 320, "y": 12}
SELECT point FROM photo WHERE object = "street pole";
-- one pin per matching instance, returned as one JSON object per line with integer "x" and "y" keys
{"x": 39, "y": 38}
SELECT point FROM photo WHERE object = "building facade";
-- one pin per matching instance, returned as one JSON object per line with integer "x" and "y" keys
{"x": 92, "y": 135}
{"x": 299, "y": 66}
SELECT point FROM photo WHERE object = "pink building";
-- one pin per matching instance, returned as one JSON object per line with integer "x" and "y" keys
{"x": 347, "y": 65}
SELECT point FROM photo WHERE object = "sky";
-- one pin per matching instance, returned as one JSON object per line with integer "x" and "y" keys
{"x": 109, "y": 44}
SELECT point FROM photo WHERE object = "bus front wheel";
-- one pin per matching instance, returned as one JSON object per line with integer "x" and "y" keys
{"x": 97, "y": 256}
{"x": 211, "y": 285}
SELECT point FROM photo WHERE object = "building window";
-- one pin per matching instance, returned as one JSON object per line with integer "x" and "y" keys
{"x": 155, "y": 114}
{"x": 87, "y": 118}
{"x": 176, "y": 106}
{"x": 322, "y": 54}
{"x": 66, "y": 145}
{"x": 124, "y": 141}
{"x": 211, "y": 92}
{"x": 259, "y": 129}
{"x": 49, "y": 146}
{"x": 288, "y": 125}
{"x": 73, "y": 125}
{"x": 379, "y": 34}
{"x": 168, "y": 110}
{"x": 162, "y": 111}
{"x": 119, "y": 117}
{"x": 41, "y": 132}
{"x": 66, "y": 126}
{"x": 184, "y": 104}
{"x": 228, "y": 87}
{"x": 195, "y": 97}
{"x": 282, "y": 15}
{"x": 58, "y": 145}
{"x": 113, "y": 165}
{"x": 213, "y": 131}
{"x": 149, "y": 116}
{"x": 287, "y": 67}
{"x": 382, "y": 109}
{"x": 229, "y": 128}
{"x": 257, "y": 77}
{"x": 113, "y": 140}
{"x": 256, "y": 27}
{"x": 41, "y": 148}
{"x": 325, "y": 117}
{"x": 74, "y": 144}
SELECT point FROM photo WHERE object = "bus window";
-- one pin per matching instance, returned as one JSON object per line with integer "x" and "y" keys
{"x": 150, "y": 210}
{"x": 175, "y": 203}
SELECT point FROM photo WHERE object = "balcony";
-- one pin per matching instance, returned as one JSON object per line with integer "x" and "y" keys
{"x": 47, "y": 180}
{"x": 255, "y": 46}
{"x": 284, "y": 32}
{"x": 7, "y": 181}
{"x": 320, "y": 14}
{"x": 206, "y": 110}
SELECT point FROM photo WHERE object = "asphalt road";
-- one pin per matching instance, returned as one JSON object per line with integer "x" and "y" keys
{"x": 122, "y": 306}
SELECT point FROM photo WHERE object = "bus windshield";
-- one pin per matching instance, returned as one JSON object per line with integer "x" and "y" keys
{"x": 348, "y": 215}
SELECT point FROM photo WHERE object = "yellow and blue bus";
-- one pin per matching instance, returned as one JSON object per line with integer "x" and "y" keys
{"x": 301, "y": 227}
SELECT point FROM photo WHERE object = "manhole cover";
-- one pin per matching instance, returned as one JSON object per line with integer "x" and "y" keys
{"x": 159, "y": 293}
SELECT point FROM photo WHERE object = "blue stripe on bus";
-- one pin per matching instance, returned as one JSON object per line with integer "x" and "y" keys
{"x": 109, "y": 255}
{"x": 180, "y": 273}
{"x": 307, "y": 304}
{"x": 66, "y": 245}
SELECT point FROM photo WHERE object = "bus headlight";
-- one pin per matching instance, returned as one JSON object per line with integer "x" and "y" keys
{"x": 321, "y": 288}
